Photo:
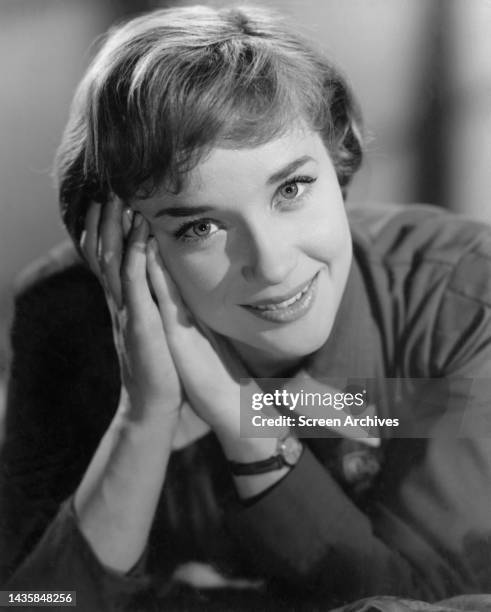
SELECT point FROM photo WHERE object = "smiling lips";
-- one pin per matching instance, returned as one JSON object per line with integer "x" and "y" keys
{"x": 289, "y": 309}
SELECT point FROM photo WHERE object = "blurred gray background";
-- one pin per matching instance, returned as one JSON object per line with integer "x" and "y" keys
{"x": 421, "y": 70}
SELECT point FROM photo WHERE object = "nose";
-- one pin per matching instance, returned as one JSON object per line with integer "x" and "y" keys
{"x": 271, "y": 255}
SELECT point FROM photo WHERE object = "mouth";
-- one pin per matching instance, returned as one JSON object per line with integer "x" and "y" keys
{"x": 286, "y": 309}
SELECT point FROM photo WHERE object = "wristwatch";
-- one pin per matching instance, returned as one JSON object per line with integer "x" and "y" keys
{"x": 288, "y": 452}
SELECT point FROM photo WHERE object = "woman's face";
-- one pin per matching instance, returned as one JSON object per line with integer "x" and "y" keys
{"x": 259, "y": 245}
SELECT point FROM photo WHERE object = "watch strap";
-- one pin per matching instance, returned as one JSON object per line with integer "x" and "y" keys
{"x": 288, "y": 452}
{"x": 276, "y": 462}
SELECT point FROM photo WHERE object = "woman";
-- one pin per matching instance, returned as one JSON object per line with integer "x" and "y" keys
{"x": 202, "y": 176}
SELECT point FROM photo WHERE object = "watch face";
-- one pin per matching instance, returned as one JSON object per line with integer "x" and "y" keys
{"x": 291, "y": 449}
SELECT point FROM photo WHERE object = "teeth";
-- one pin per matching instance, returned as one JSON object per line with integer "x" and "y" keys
{"x": 284, "y": 304}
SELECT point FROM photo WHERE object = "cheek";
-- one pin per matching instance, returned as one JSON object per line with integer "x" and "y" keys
{"x": 326, "y": 234}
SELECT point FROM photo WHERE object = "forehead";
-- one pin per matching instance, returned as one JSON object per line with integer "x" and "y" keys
{"x": 226, "y": 171}
{"x": 235, "y": 164}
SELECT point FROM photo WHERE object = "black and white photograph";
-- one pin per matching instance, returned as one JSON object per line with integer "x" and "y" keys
{"x": 245, "y": 305}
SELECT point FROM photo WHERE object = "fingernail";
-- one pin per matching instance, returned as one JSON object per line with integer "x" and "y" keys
{"x": 116, "y": 202}
{"x": 127, "y": 220}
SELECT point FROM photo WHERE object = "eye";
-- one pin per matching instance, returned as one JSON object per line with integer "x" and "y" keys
{"x": 201, "y": 229}
{"x": 294, "y": 188}
{"x": 289, "y": 191}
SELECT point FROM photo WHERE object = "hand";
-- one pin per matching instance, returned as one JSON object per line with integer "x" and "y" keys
{"x": 210, "y": 372}
{"x": 208, "y": 366}
{"x": 147, "y": 369}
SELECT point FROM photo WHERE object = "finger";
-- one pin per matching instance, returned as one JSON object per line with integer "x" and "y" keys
{"x": 179, "y": 323}
{"x": 111, "y": 235}
{"x": 172, "y": 309}
{"x": 136, "y": 293}
{"x": 127, "y": 221}
{"x": 90, "y": 237}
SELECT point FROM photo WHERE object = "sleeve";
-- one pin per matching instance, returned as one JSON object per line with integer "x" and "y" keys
{"x": 307, "y": 534}
{"x": 63, "y": 560}
{"x": 425, "y": 531}
{"x": 62, "y": 392}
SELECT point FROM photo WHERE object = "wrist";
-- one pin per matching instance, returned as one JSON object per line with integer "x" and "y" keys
{"x": 134, "y": 410}
{"x": 254, "y": 475}
{"x": 155, "y": 427}
{"x": 287, "y": 454}
{"x": 246, "y": 450}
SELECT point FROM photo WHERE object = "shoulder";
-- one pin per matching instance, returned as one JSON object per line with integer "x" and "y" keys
{"x": 57, "y": 287}
{"x": 401, "y": 234}
{"x": 61, "y": 267}
{"x": 431, "y": 270}
{"x": 61, "y": 257}
{"x": 63, "y": 361}
{"x": 59, "y": 308}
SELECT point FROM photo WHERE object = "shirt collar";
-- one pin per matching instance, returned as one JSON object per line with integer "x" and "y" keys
{"x": 353, "y": 348}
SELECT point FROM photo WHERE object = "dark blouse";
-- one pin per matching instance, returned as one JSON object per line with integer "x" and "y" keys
{"x": 417, "y": 305}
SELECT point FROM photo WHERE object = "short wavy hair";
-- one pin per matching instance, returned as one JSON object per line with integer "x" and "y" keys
{"x": 166, "y": 87}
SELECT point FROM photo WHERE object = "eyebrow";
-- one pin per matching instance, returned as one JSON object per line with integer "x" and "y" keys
{"x": 284, "y": 172}
{"x": 182, "y": 211}
{"x": 190, "y": 211}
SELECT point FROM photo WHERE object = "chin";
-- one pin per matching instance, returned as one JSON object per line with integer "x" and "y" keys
{"x": 295, "y": 343}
